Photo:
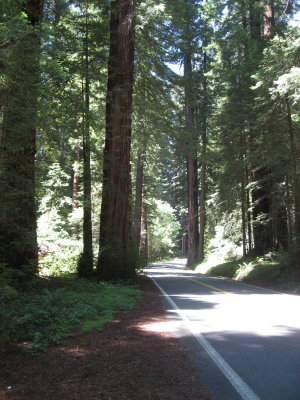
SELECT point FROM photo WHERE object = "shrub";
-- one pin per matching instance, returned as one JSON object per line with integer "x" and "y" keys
{"x": 227, "y": 270}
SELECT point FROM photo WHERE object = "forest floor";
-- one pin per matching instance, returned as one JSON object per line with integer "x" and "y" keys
{"x": 125, "y": 361}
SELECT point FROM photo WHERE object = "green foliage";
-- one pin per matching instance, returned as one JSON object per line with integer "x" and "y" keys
{"x": 163, "y": 230}
{"x": 271, "y": 270}
{"x": 98, "y": 323}
{"x": 240, "y": 103}
{"x": 47, "y": 315}
{"x": 226, "y": 270}
{"x": 265, "y": 274}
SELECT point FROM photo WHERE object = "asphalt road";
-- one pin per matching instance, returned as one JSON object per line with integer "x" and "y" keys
{"x": 246, "y": 340}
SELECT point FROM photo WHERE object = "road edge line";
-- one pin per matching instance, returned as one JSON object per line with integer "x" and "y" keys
{"x": 236, "y": 381}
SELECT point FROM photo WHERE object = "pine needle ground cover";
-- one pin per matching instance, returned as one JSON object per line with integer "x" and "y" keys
{"x": 58, "y": 307}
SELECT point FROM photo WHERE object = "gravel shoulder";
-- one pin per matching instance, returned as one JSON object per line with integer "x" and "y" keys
{"x": 126, "y": 361}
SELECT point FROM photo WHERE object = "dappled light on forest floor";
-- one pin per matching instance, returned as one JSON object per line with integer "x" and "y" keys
{"x": 123, "y": 362}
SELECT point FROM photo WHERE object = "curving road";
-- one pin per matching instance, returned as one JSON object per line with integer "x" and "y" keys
{"x": 245, "y": 339}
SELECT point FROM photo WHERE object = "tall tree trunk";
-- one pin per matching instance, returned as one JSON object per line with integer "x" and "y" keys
{"x": 144, "y": 234}
{"x": 243, "y": 192}
{"x": 295, "y": 179}
{"x": 115, "y": 253}
{"x": 246, "y": 206}
{"x": 261, "y": 193}
{"x": 75, "y": 179}
{"x": 192, "y": 179}
{"x": 289, "y": 203}
{"x": 85, "y": 265}
{"x": 202, "y": 199}
{"x": 18, "y": 146}
{"x": 249, "y": 213}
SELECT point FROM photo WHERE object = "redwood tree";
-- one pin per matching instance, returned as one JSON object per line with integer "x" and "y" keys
{"x": 115, "y": 259}
{"x": 18, "y": 142}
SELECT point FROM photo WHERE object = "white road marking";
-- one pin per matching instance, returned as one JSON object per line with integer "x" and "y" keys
{"x": 236, "y": 381}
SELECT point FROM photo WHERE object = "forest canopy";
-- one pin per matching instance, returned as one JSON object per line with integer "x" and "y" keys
{"x": 133, "y": 131}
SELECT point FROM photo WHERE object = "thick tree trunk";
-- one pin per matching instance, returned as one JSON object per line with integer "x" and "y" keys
{"x": 192, "y": 178}
{"x": 18, "y": 146}
{"x": 115, "y": 253}
{"x": 85, "y": 265}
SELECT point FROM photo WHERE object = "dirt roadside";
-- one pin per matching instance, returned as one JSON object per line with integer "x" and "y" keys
{"x": 126, "y": 361}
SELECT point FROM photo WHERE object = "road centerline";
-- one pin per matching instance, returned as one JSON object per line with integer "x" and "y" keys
{"x": 204, "y": 284}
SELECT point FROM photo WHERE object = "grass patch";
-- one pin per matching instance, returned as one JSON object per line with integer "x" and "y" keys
{"x": 270, "y": 271}
{"x": 98, "y": 323}
{"x": 50, "y": 310}
{"x": 225, "y": 270}
{"x": 261, "y": 273}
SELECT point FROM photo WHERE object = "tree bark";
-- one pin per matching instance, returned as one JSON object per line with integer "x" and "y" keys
{"x": 268, "y": 18}
{"x": 144, "y": 234}
{"x": 18, "y": 224}
{"x": 202, "y": 198}
{"x": 116, "y": 258}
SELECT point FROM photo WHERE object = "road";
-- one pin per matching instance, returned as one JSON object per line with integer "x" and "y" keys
{"x": 245, "y": 339}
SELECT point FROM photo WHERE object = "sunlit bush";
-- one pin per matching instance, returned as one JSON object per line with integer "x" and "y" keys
{"x": 162, "y": 232}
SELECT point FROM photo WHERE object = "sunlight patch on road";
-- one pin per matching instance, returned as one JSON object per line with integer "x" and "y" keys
{"x": 252, "y": 314}
{"x": 215, "y": 310}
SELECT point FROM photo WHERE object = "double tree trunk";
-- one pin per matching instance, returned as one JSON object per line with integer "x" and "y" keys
{"x": 18, "y": 146}
{"x": 116, "y": 258}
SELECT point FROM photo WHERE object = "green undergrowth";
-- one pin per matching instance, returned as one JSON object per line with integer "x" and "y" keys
{"x": 54, "y": 307}
{"x": 270, "y": 271}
